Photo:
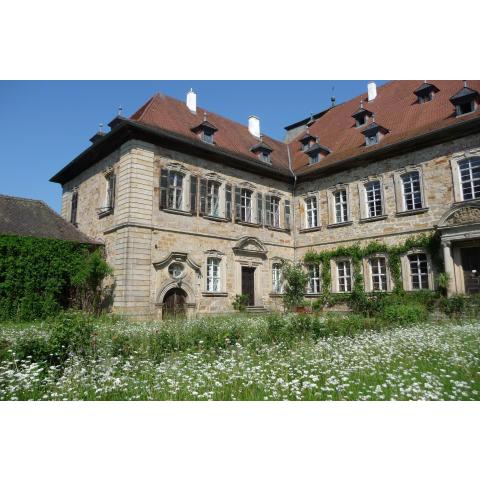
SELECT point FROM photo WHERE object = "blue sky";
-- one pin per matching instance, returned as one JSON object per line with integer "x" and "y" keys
{"x": 45, "y": 124}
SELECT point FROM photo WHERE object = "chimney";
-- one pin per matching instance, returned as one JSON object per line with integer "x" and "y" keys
{"x": 254, "y": 125}
{"x": 372, "y": 91}
{"x": 192, "y": 101}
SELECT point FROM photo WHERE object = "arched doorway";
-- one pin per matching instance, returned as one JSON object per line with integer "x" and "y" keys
{"x": 174, "y": 303}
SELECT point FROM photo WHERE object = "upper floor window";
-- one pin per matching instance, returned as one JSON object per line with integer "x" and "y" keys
{"x": 313, "y": 279}
{"x": 465, "y": 101}
{"x": 273, "y": 211}
{"x": 378, "y": 269}
{"x": 312, "y": 212}
{"x": 74, "y": 207}
{"x": 171, "y": 189}
{"x": 213, "y": 189}
{"x": 470, "y": 178}
{"x": 110, "y": 197}
{"x": 344, "y": 276}
{"x": 418, "y": 264}
{"x": 341, "y": 206}
{"x": 213, "y": 274}
{"x": 244, "y": 205}
{"x": 412, "y": 193}
{"x": 373, "y": 198}
{"x": 425, "y": 92}
{"x": 277, "y": 280}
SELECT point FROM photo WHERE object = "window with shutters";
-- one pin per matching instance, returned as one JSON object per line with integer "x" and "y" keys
{"x": 244, "y": 205}
{"x": 287, "y": 215}
{"x": 259, "y": 208}
{"x": 171, "y": 189}
{"x": 193, "y": 194}
{"x": 341, "y": 206}
{"x": 110, "y": 192}
{"x": 277, "y": 278}
{"x": 469, "y": 171}
{"x": 373, "y": 199}
{"x": 213, "y": 274}
{"x": 272, "y": 206}
{"x": 213, "y": 189}
{"x": 412, "y": 193}
{"x": 311, "y": 212}
{"x": 74, "y": 207}
{"x": 313, "y": 286}
{"x": 228, "y": 202}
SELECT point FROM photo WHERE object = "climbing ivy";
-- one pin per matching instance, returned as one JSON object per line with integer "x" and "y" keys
{"x": 357, "y": 253}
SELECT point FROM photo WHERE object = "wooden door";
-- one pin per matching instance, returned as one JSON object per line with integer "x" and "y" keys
{"x": 248, "y": 284}
{"x": 174, "y": 303}
{"x": 471, "y": 269}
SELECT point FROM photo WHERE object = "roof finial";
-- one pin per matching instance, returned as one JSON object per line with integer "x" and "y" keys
{"x": 204, "y": 116}
{"x": 332, "y": 98}
{"x": 100, "y": 128}
{"x": 261, "y": 137}
{"x": 361, "y": 103}
{"x": 373, "y": 117}
{"x": 120, "y": 110}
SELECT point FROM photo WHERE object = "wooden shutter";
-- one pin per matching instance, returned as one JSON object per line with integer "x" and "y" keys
{"x": 238, "y": 212}
{"x": 287, "y": 215}
{"x": 268, "y": 210}
{"x": 228, "y": 202}
{"x": 73, "y": 212}
{"x": 259, "y": 208}
{"x": 163, "y": 187}
{"x": 113, "y": 181}
{"x": 193, "y": 194}
{"x": 203, "y": 196}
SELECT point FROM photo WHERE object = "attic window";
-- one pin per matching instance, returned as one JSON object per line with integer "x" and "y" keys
{"x": 425, "y": 92}
{"x": 361, "y": 116}
{"x": 316, "y": 152}
{"x": 205, "y": 130}
{"x": 263, "y": 151}
{"x": 465, "y": 101}
{"x": 307, "y": 140}
{"x": 374, "y": 133}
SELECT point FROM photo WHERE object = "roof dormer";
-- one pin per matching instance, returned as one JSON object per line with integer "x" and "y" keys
{"x": 316, "y": 152}
{"x": 465, "y": 101}
{"x": 362, "y": 115}
{"x": 425, "y": 92}
{"x": 374, "y": 133}
{"x": 307, "y": 140}
{"x": 263, "y": 151}
{"x": 205, "y": 130}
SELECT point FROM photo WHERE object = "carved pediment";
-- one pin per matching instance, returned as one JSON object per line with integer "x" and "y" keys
{"x": 176, "y": 257}
{"x": 461, "y": 216}
{"x": 251, "y": 246}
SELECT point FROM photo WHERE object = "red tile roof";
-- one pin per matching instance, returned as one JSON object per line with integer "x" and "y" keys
{"x": 395, "y": 108}
{"x": 173, "y": 115}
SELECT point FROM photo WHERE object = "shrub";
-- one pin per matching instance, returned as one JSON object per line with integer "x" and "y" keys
{"x": 404, "y": 313}
{"x": 240, "y": 302}
{"x": 296, "y": 281}
{"x": 453, "y": 306}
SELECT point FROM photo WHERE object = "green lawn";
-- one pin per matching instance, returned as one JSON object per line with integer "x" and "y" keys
{"x": 425, "y": 361}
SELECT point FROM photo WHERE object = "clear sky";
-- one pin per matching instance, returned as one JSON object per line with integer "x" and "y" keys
{"x": 45, "y": 124}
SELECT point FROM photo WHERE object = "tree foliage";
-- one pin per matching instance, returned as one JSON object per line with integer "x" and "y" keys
{"x": 296, "y": 280}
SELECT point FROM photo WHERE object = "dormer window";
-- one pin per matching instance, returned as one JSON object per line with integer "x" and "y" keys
{"x": 307, "y": 141}
{"x": 465, "y": 101}
{"x": 205, "y": 130}
{"x": 316, "y": 152}
{"x": 263, "y": 151}
{"x": 361, "y": 116}
{"x": 425, "y": 92}
{"x": 374, "y": 133}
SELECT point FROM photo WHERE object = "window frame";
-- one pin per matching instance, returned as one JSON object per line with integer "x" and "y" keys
{"x": 412, "y": 193}
{"x": 338, "y": 277}
{"x": 213, "y": 192}
{"x": 422, "y": 277}
{"x": 375, "y": 200}
{"x": 277, "y": 279}
{"x": 246, "y": 205}
{"x": 343, "y": 204}
{"x": 314, "y": 279}
{"x": 369, "y": 279}
{"x": 471, "y": 179}
{"x": 213, "y": 275}
{"x": 311, "y": 212}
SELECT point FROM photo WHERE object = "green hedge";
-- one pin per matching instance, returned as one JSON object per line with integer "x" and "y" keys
{"x": 37, "y": 275}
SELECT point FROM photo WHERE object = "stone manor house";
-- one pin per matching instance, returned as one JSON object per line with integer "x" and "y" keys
{"x": 194, "y": 208}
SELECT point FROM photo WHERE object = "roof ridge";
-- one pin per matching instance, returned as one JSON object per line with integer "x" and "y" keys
{"x": 21, "y": 198}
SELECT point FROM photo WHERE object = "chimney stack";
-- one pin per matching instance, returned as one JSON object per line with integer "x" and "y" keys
{"x": 372, "y": 91}
{"x": 254, "y": 126}
{"x": 192, "y": 101}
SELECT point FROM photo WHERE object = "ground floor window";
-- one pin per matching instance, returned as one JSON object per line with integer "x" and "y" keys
{"x": 313, "y": 279}
{"x": 277, "y": 286}
{"x": 213, "y": 275}
{"x": 344, "y": 276}
{"x": 378, "y": 268}
{"x": 418, "y": 271}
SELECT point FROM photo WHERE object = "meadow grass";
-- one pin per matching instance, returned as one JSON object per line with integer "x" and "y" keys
{"x": 282, "y": 357}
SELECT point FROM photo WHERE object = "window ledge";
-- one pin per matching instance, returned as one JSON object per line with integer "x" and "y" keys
{"x": 308, "y": 230}
{"x": 215, "y": 219}
{"x": 177, "y": 212}
{"x": 277, "y": 229}
{"x": 417, "y": 211}
{"x": 214, "y": 294}
{"x": 313, "y": 295}
{"x": 465, "y": 114}
{"x": 248, "y": 224}
{"x": 341, "y": 224}
{"x": 105, "y": 212}
{"x": 373, "y": 219}
{"x": 276, "y": 295}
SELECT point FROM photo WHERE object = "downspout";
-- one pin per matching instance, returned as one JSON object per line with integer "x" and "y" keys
{"x": 294, "y": 230}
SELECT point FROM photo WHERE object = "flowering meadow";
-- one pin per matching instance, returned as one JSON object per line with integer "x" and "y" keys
{"x": 242, "y": 358}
